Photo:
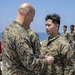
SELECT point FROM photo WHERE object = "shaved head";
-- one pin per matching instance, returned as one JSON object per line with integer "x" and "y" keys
{"x": 26, "y": 13}
{"x": 26, "y": 7}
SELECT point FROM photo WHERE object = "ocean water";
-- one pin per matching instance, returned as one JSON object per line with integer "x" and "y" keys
{"x": 42, "y": 36}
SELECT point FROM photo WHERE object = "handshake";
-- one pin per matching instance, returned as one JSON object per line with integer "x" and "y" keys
{"x": 49, "y": 59}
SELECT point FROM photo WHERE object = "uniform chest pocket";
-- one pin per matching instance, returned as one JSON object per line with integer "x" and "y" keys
{"x": 51, "y": 51}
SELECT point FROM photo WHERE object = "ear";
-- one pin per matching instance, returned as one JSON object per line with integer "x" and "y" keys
{"x": 27, "y": 13}
{"x": 21, "y": 11}
{"x": 57, "y": 26}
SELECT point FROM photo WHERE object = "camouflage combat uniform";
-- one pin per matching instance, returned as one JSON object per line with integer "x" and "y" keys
{"x": 65, "y": 35}
{"x": 72, "y": 39}
{"x": 62, "y": 53}
{"x": 18, "y": 57}
{"x": 35, "y": 42}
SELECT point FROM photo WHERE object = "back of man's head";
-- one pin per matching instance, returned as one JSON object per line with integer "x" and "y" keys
{"x": 25, "y": 7}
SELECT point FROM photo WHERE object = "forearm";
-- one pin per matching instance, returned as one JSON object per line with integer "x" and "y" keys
{"x": 36, "y": 47}
{"x": 30, "y": 62}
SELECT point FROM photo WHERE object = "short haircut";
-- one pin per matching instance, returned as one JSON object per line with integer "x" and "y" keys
{"x": 54, "y": 17}
{"x": 72, "y": 26}
{"x": 65, "y": 26}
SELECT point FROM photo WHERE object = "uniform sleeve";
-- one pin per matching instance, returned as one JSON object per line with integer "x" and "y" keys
{"x": 35, "y": 44}
{"x": 26, "y": 55}
{"x": 66, "y": 53}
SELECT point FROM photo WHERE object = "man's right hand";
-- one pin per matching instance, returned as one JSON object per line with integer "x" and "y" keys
{"x": 49, "y": 59}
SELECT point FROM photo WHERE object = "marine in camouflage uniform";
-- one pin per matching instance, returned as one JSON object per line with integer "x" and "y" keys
{"x": 57, "y": 47}
{"x": 18, "y": 56}
{"x": 72, "y": 37}
{"x": 35, "y": 42}
{"x": 65, "y": 33}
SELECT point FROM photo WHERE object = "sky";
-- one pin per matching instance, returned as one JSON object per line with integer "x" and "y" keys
{"x": 64, "y": 8}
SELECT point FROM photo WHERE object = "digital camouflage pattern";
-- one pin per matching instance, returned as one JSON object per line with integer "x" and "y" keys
{"x": 65, "y": 35}
{"x": 62, "y": 53}
{"x": 18, "y": 57}
{"x": 35, "y": 42}
{"x": 72, "y": 39}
